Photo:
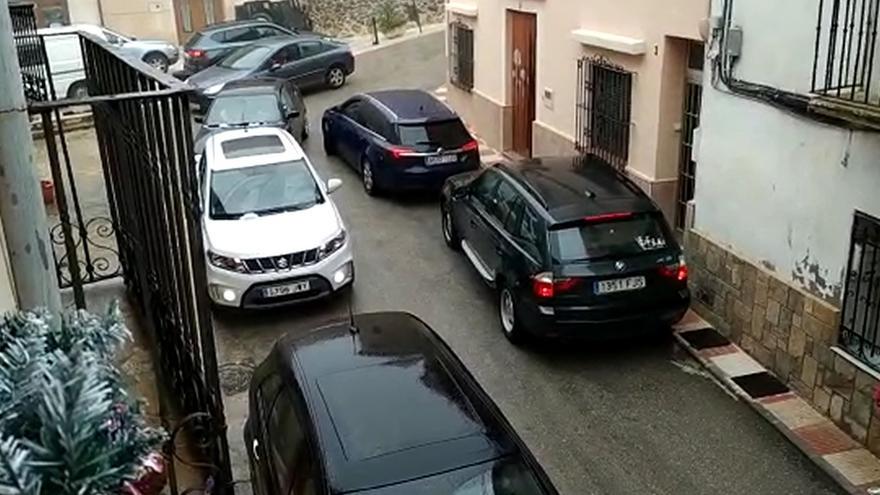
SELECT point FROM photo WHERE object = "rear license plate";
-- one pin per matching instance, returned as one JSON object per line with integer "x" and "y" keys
{"x": 286, "y": 290}
{"x": 620, "y": 285}
{"x": 441, "y": 159}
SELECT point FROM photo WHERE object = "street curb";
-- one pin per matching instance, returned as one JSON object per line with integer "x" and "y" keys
{"x": 71, "y": 122}
{"x": 426, "y": 31}
{"x": 759, "y": 407}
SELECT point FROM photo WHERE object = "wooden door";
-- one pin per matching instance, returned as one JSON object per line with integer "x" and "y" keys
{"x": 522, "y": 79}
{"x": 193, "y": 15}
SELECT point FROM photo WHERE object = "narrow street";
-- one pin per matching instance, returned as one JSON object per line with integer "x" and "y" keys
{"x": 630, "y": 418}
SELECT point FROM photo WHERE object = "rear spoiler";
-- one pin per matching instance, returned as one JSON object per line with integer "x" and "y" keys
{"x": 598, "y": 218}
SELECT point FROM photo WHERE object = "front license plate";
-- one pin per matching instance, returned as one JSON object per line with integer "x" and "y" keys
{"x": 286, "y": 290}
{"x": 620, "y": 285}
{"x": 441, "y": 159}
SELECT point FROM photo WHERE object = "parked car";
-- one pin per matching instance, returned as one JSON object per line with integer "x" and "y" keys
{"x": 399, "y": 139}
{"x": 379, "y": 405}
{"x": 256, "y": 103}
{"x": 210, "y": 45}
{"x": 65, "y": 55}
{"x": 305, "y": 61}
{"x": 273, "y": 235}
{"x": 574, "y": 248}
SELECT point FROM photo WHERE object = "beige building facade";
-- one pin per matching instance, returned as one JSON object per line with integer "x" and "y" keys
{"x": 609, "y": 78}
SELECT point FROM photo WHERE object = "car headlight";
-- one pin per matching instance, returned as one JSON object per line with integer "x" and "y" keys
{"x": 213, "y": 90}
{"x": 226, "y": 263}
{"x": 333, "y": 245}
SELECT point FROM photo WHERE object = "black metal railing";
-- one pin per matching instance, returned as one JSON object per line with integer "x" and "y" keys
{"x": 461, "y": 56}
{"x": 143, "y": 131}
{"x": 31, "y": 53}
{"x": 860, "y": 320}
{"x": 603, "y": 111}
{"x": 845, "y": 57}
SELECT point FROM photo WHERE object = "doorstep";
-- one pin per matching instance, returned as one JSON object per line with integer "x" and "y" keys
{"x": 853, "y": 467}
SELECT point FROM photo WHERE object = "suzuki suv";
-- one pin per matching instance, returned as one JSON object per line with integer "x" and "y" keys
{"x": 273, "y": 235}
{"x": 574, "y": 248}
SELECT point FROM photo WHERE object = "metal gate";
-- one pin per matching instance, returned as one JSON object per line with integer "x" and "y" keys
{"x": 144, "y": 137}
{"x": 603, "y": 111}
{"x": 690, "y": 121}
{"x": 860, "y": 319}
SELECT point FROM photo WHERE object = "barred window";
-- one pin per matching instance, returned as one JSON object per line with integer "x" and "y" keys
{"x": 860, "y": 319}
{"x": 604, "y": 107}
{"x": 461, "y": 56}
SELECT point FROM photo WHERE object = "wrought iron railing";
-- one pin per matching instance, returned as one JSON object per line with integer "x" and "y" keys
{"x": 860, "y": 319}
{"x": 461, "y": 56}
{"x": 31, "y": 54}
{"x": 845, "y": 58}
{"x": 603, "y": 111}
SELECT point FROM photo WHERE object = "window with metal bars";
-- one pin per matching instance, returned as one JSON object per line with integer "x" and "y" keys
{"x": 603, "y": 111}
{"x": 860, "y": 320}
{"x": 461, "y": 55}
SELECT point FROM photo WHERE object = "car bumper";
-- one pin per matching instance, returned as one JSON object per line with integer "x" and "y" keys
{"x": 242, "y": 290}
{"x": 604, "y": 323}
{"x": 422, "y": 177}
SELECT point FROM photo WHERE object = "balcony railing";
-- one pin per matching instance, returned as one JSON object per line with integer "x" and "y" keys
{"x": 845, "y": 65}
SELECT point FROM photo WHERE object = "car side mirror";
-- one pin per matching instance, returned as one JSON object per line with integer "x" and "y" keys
{"x": 199, "y": 119}
{"x": 293, "y": 114}
{"x": 275, "y": 66}
{"x": 333, "y": 185}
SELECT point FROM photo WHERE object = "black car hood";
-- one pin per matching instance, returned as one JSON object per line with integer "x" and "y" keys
{"x": 215, "y": 75}
{"x": 205, "y": 132}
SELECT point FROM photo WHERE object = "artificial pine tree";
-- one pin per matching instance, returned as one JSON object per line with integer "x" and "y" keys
{"x": 67, "y": 425}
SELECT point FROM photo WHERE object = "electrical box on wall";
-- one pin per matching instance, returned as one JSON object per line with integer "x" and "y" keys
{"x": 155, "y": 6}
{"x": 734, "y": 41}
{"x": 548, "y": 98}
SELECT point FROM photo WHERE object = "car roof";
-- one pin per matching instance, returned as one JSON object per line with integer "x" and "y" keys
{"x": 573, "y": 187}
{"x": 252, "y": 86}
{"x": 240, "y": 23}
{"x": 389, "y": 402}
{"x": 412, "y": 105}
{"x": 243, "y": 148}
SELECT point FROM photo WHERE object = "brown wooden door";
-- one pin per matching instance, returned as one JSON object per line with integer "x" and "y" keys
{"x": 194, "y": 15}
{"x": 522, "y": 79}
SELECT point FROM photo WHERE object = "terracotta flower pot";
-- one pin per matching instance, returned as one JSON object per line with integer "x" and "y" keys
{"x": 48, "y": 189}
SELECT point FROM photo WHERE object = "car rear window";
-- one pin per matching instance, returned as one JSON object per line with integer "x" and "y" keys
{"x": 244, "y": 109}
{"x": 619, "y": 238}
{"x": 449, "y": 134}
{"x": 193, "y": 41}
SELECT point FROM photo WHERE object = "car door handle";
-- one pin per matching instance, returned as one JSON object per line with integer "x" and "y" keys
{"x": 255, "y": 445}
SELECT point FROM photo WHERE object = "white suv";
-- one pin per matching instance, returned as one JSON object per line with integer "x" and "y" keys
{"x": 272, "y": 234}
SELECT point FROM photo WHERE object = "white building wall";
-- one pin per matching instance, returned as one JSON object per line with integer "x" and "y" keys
{"x": 776, "y": 188}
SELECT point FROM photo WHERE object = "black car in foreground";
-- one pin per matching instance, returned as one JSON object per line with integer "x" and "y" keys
{"x": 379, "y": 406}
{"x": 210, "y": 45}
{"x": 400, "y": 139}
{"x": 256, "y": 103}
{"x": 573, "y": 247}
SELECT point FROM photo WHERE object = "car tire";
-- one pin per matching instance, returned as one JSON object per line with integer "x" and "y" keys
{"x": 157, "y": 61}
{"x": 329, "y": 147}
{"x": 510, "y": 324}
{"x": 78, "y": 90}
{"x": 448, "y": 226}
{"x": 368, "y": 177}
{"x": 335, "y": 77}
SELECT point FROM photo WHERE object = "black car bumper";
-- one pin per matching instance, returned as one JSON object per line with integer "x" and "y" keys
{"x": 420, "y": 177}
{"x": 604, "y": 322}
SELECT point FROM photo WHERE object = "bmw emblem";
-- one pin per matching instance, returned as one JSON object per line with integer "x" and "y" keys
{"x": 621, "y": 266}
{"x": 282, "y": 263}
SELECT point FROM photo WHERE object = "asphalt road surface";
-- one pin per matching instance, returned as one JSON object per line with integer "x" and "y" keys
{"x": 632, "y": 418}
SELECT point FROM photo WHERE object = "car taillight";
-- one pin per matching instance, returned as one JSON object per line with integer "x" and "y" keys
{"x": 677, "y": 271}
{"x": 471, "y": 145}
{"x": 544, "y": 286}
{"x": 607, "y": 217}
{"x": 195, "y": 53}
{"x": 398, "y": 152}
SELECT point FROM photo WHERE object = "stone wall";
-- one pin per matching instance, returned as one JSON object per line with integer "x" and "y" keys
{"x": 791, "y": 332}
{"x": 352, "y": 17}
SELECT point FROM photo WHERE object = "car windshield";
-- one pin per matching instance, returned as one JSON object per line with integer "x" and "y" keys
{"x": 263, "y": 190}
{"x": 502, "y": 477}
{"x": 241, "y": 110}
{"x": 619, "y": 238}
{"x": 449, "y": 134}
{"x": 249, "y": 57}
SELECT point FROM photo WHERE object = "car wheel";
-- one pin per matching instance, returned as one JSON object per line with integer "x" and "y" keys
{"x": 335, "y": 77}
{"x": 449, "y": 233}
{"x": 510, "y": 324}
{"x": 329, "y": 147}
{"x": 78, "y": 90}
{"x": 157, "y": 61}
{"x": 368, "y": 178}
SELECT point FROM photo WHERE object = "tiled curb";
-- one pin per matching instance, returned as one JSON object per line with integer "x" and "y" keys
{"x": 852, "y": 466}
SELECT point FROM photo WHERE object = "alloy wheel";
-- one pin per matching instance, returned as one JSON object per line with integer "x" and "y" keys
{"x": 508, "y": 317}
{"x": 367, "y": 176}
{"x": 447, "y": 225}
{"x": 336, "y": 77}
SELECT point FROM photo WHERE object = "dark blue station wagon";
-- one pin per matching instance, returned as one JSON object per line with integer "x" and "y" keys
{"x": 400, "y": 140}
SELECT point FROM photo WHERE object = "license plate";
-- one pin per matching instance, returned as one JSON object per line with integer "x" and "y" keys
{"x": 441, "y": 159}
{"x": 286, "y": 290}
{"x": 620, "y": 285}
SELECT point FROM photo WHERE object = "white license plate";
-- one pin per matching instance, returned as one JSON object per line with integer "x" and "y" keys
{"x": 441, "y": 159}
{"x": 620, "y": 285}
{"x": 286, "y": 290}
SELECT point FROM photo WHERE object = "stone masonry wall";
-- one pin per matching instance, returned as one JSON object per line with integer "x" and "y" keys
{"x": 352, "y": 17}
{"x": 788, "y": 330}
